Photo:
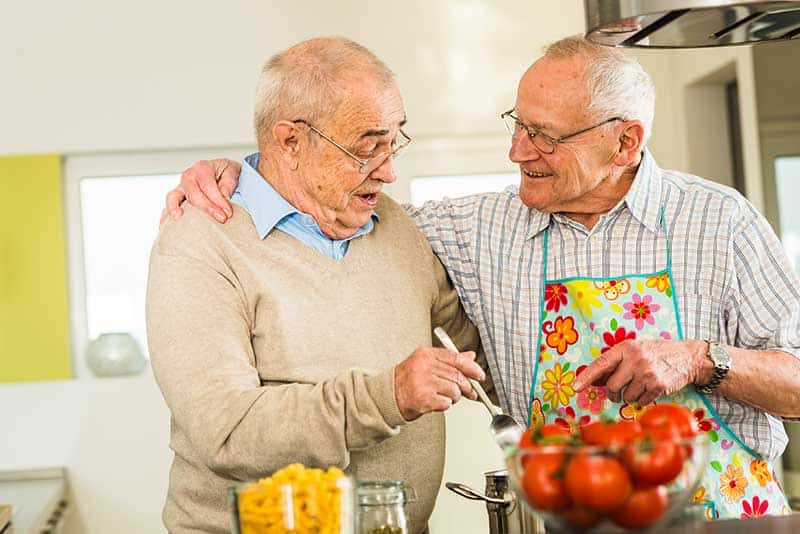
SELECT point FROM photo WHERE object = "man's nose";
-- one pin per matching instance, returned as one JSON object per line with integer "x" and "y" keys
{"x": 523, "y": 149}
{"x": 385, "y": 171}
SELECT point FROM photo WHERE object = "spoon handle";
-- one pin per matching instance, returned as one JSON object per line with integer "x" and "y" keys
{"x": 448, "y": 343}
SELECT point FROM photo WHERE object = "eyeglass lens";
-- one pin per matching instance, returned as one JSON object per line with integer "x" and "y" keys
{"x": 516, "y": 128}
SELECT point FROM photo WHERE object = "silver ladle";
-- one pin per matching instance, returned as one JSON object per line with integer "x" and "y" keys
{"x": 505, "y": 431}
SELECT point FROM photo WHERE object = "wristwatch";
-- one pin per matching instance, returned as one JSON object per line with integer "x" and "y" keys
{"x": 722, "y": 364}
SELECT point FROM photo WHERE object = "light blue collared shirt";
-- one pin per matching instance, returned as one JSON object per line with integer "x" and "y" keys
{"x": 269, "y": 210}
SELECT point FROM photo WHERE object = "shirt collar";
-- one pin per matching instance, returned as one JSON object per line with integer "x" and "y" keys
{"x": 537, "y": 221}
{"x": 643, "y": 199}
{"x": 265, "y": 205}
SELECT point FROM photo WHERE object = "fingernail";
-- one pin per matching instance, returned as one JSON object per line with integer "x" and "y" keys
{"x": 228, "y": 211}
{"x": 174, "y": 214}
{"x": 219, "y": 217}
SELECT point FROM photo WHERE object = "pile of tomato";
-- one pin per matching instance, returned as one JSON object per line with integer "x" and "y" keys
{"x": 622, "y": 475}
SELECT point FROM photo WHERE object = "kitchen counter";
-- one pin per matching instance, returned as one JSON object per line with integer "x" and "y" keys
{"x": 781, "y": 525}
{"x": 37, "y": 497}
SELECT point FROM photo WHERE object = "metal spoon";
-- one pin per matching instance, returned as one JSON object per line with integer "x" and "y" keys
{"x": 505, "y": 431}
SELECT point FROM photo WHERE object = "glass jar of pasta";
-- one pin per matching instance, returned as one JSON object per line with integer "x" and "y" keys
{"x": 296, "y": 500}
{"x": 381, "y": 507}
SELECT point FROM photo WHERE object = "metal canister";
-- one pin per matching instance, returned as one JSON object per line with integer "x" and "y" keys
{"x": 507, "y": 514}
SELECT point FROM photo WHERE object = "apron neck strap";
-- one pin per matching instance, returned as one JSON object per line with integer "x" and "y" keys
{"x": 544, "y": 257}
{"x": 662, "y": 223}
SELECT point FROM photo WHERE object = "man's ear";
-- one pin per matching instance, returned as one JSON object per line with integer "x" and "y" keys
{"x": 631, "y": 142}
{"x": 287, "y": 137}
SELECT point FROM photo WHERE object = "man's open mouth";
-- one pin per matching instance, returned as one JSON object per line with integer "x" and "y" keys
{"x": 536, "y": 174}
{"x": 370, "y": 199}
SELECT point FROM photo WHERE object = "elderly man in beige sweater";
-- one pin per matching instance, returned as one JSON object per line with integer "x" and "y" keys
{"x": 305, "y": 331}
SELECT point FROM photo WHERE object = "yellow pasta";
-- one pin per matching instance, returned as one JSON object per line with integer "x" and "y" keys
{"x": 293, "y": 500}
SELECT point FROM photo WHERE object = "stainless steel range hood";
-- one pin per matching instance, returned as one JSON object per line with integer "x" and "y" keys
{"x": 690, "y": 23}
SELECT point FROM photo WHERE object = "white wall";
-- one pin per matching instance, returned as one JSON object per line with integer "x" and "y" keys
{"x": 111, "y": 434}
{"x": 695, "y": 86}
{"x": 777, "y": 87}
{"x": 94, "y": 75}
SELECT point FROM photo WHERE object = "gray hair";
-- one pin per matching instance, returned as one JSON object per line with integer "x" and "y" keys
{"x": 305, "y": 81}
{"x": 618, "y": 84}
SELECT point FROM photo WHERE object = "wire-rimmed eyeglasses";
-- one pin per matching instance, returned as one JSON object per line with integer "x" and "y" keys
{"x": 543, "y": 142}
{"x": 367, "y": 165}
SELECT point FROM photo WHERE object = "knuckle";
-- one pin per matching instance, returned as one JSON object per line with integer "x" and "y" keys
{"x": 189, "y": 176}
{"x": 455, "y": 376}
{"x": 452, "y": 390}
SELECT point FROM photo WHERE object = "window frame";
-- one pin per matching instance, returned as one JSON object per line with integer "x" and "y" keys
{"x": 109, "y": 165}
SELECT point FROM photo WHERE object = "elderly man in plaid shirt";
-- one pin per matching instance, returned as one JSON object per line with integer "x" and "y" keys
{"x": 603, "y": 284}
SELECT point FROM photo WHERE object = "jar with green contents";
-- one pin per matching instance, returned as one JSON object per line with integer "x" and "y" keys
{"x": 381, "y": 507}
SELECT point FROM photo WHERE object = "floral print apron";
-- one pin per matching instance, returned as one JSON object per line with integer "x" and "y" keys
{"x": 581, "y": 318}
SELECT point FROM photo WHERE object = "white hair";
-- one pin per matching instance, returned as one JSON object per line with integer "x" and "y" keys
{"x": 617, "y": 83}
{"x": 306, "y": 81}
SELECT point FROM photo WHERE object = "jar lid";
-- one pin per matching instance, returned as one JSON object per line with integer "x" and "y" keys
{"x": 377, "y": 493}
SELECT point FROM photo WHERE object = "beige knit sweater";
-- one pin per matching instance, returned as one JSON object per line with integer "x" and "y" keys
{"x": 268, "y": 352}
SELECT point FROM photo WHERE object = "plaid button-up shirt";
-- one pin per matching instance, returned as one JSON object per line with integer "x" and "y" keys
{"x": 734, "y": 284}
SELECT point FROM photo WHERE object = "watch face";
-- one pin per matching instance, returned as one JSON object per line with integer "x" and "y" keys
{"x": 719, "y": 355}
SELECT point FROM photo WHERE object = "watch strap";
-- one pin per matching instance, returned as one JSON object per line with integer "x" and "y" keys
{"x": 722, "y": 364}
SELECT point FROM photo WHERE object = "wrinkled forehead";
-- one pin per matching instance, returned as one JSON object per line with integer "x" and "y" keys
{"x": 370, "y": 105}
{"x": 552, "y": 93}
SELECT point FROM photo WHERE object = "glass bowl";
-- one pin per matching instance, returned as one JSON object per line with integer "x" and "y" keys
{"x": 583, "y": 488}
{"x": 295, "y": 500}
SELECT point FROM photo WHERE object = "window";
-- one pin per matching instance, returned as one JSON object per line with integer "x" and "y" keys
{"x": 119, "y": 219}
{"x": 113, "y": 205}
{"x": 437, "y": 187}
{"x": 787, "y": 182}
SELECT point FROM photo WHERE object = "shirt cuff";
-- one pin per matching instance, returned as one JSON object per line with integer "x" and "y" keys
{"x": 381, "y": 388}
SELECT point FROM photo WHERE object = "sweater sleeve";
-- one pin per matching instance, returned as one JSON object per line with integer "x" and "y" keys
{"x": 449, "y": 313}
{"x": 199, "y": 333}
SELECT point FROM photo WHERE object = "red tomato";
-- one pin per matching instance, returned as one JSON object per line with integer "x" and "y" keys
{"x": 675, "y": 415}
{"x": 654, "y": 460}
{"x": 553, "y": 430}
{"x": 608, "y": 434}
{"x": 581, "y": 517}
{"x": 543, "y": 481}
{"x": 644, "y": 507}
{"x": 527, "y": 440}
{"x": 597, "y": 482}
{"x": 533, "y": 437}
{"x": 551, "y": 435}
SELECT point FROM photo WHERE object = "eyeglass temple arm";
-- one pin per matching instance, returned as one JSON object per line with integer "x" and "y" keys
{"x": 612, "y": 119}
